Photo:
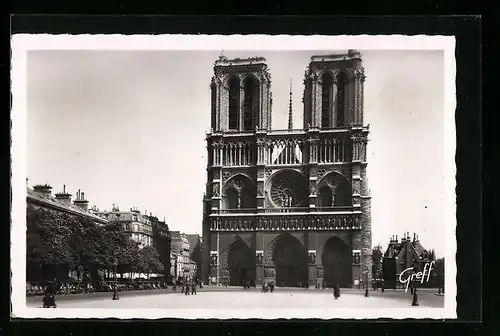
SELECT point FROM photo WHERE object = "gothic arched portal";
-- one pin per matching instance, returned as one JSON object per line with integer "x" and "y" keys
{"x": 290, "y": 261}
{"x": 241, "y": 263}
{"x": 336, "y": 260}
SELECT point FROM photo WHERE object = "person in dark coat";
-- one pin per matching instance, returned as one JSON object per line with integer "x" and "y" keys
{"x": 174, "y": 288}
{"x": 49, "y": 298}
{"x": 186, "y": 288}
{"x": 271, "y": 286}
{"x": 193, "y": 288}
{"x": 336, "y": 291}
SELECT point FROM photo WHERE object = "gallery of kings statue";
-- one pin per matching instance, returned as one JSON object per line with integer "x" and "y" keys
{"x": 290, "y": 206}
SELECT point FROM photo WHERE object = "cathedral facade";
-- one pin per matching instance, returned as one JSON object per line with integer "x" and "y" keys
{"x": 289, "y": 206}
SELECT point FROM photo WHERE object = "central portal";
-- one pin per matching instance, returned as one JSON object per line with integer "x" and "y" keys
{"x": 240, "y": 263}
{"x": 290, "y": 261}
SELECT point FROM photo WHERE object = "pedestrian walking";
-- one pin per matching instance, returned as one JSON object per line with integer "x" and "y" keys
{"x": 271, "y": 286}
{"x": 187, "y": 288}
{"x": 336, "y": 291}
{"x": 174, "y": 287}
{"x": 193, "y": 289}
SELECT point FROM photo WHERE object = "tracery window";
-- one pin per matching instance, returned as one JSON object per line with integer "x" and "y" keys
{"x": 289, "y": 189}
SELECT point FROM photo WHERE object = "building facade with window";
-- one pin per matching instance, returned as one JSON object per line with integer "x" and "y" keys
{"x": 403, "y": 255}
{"x": 290, "y": 206}
{"x": 161, "y": 242}
{"x": 136, "y": 225}
{"x": 180, "y": 247}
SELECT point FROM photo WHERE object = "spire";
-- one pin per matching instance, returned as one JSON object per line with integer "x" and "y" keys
{"x": 290, "y": 114}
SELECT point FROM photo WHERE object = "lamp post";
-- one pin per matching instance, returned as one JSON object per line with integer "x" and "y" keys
{"x": 115, "y": 290}
{"x": 366, "y": 284}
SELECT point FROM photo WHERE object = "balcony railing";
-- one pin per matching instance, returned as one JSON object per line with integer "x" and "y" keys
{"x": 287, "y": 222}
{"x": 247, "y": 211}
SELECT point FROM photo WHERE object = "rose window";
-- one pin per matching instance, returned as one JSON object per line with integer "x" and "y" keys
{"x": 289, "y": 189}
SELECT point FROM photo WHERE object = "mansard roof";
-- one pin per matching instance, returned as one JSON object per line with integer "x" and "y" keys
{"x": 50, "y": 201}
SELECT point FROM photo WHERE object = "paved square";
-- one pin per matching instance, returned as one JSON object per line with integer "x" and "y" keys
{"x": 280, "y": 299}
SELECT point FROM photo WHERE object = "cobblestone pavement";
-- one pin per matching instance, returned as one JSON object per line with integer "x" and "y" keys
{"x": 233, "y": 298}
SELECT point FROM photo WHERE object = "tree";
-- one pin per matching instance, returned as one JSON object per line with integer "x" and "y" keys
{"x": 149, "y": 262}
{"x": 162, "y": 245}
{"x": 48, "y": 250}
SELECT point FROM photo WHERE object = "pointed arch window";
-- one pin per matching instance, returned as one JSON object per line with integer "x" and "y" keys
{"x": 214, "y": 100}
{"x": 326, "y": 100}
{"x": 341, "y": 99}
{"x": 234, "y": 102}
{"x": 251, "y": 103}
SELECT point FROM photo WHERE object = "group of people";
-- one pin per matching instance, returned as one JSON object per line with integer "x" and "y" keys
{"x": 187, "y": 287}
{"x": 268, "y": 286}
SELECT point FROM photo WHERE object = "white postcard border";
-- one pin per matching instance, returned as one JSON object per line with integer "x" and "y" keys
{"x": 22, "y": 43}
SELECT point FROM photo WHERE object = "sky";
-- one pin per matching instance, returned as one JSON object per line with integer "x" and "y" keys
{"x": 128, "y": 128}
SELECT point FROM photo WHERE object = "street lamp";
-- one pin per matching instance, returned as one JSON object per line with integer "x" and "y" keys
{"x": 115, "y": 290}
{"x": 366, "y": 284}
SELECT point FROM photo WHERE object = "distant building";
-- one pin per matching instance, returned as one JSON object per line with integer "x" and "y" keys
{"x": 402, "y": 255}
{"x": 180, "y": 247}
{"x": 195, "y": 246}
{"x": 138, "y": 226}
{"x": 162, "y": 242}
{"x": 173, "y": 265}
{"x": 192, "y": 273}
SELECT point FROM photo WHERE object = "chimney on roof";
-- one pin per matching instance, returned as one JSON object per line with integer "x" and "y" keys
{"x": 353, "y": 53}
{"x": 414, "y": 237}
{"x": 64, "y": 197}
{"x": 80, "y": 201}
{"x": 44, "y": 189}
